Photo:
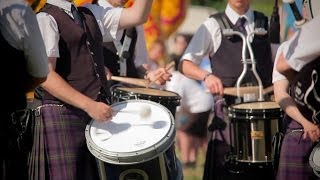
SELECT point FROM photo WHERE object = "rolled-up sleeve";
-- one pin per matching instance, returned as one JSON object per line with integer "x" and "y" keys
{"x": 205, "y": 41}
{"x": 50, "y": 33}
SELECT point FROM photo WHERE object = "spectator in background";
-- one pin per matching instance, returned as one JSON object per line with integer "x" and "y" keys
{"x": 195, "y": 107}
{"x": 180, "y": 43}
{"x": 22, "y": 44}
{"x": 157, "y": 55}
{"x": 157, "y": 59}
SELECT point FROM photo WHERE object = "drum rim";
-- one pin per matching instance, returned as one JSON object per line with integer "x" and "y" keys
{"x": 127, "y": 157}
{"x": 177, "y": 97}
{"x": 312, "y": 164}
{"x": 252, "y": 109}
{"x": 253, "y": 114}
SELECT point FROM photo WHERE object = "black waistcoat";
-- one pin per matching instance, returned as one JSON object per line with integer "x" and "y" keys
{"x": 81, "y": 56}
{"x": 305, "y": 90}
{"x": 226, "y": 62}
{"x": 111, "y": 58}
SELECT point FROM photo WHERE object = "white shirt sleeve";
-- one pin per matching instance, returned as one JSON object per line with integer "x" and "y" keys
{"x": 276, "y": 76}
{"x": 304, "y": 46}
{"x": 50, "y": 33}
{"x": 108, "y": 19}
{"x": 206, "y": 40}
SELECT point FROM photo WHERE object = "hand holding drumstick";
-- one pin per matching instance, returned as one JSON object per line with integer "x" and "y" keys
{"x": 160, "y": 76}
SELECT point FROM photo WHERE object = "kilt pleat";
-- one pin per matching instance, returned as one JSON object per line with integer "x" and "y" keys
{"x": 294, "y": 158}
{"x": 60, "y": 151}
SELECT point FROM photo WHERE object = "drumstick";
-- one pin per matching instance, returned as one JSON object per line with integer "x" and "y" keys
{"x": 246, "y": 90}
{"x": 133, "y": 81}
{"x": 243, "y": 90}
{"x": 167, "y": 68}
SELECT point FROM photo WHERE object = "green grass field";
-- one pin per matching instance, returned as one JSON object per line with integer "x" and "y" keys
{"x": 197, "y": 172}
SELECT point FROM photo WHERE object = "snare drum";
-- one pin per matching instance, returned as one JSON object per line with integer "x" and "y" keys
{"x": 253, "y": 126}
{"x": 131, "y": 146}
{"x": 314, "y": 160}
{"x": 166, "y": 98}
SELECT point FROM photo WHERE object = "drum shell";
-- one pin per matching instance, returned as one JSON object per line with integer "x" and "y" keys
{"x": 165, "y": 166}
{"x": 253, "y": 130}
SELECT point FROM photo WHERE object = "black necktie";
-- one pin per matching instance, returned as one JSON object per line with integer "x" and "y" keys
{"x": 76, "y": 16}
{"x": 240, "y": 25}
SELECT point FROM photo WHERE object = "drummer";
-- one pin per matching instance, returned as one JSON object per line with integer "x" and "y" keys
{"x": 298, "y": 61}
{"x": 76, "y": 80}
{"x": 225, "y": 55}
{"x": 135, "y": 56}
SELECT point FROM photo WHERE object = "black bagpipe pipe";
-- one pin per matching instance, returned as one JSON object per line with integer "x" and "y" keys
{"x": 299, "y": 19}
{"x": 274, "y": 27}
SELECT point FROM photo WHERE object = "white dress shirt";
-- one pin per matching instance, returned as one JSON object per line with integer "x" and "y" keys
{"x": 107, "y": 18}
{"x": 207, "y": 38}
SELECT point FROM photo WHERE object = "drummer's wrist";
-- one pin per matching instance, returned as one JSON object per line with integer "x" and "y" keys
{"x": 206, "y": 76}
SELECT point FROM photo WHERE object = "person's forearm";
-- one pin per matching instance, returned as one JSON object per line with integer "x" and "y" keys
{"x": 286, "y": 102}
{"x": 137, "y": 14}
{"x": 191, "y": 70}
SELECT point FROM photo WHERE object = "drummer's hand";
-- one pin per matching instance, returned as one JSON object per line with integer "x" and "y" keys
{"x": 159, "y": 76}
{"x": 214, "y": 85}
{"x": 311, "y": 130}
{"x": 99, "y": 111}
{"x": 108, "y": 73}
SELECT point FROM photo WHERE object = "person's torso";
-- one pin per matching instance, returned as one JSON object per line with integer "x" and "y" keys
{"x": 305, "y": 91}
{"x": 227, "y": 61}
{"x": 81, "y": 56}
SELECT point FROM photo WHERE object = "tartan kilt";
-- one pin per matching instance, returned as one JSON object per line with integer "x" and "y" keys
{"x": 59, "y": 151}
{"x": 294, "y": 158}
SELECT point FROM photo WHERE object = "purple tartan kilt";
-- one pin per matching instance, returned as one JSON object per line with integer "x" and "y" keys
{"x": 294, "y": 158}
{"x": 60, "y": 151}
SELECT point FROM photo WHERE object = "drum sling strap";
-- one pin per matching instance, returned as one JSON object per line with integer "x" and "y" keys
{"x": 123, "y": 50}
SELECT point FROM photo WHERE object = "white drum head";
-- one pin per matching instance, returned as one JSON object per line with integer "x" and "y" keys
{"x": 139, "y": 130}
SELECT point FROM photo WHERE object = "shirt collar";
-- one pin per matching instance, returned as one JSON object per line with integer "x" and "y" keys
{"x": 63, "y": 4}
{"x": 234, "y": 16}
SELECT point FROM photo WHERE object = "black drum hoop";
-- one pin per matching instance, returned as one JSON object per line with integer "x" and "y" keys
{"x": 254, "y": 114}
{"x": 174, "y": 100}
